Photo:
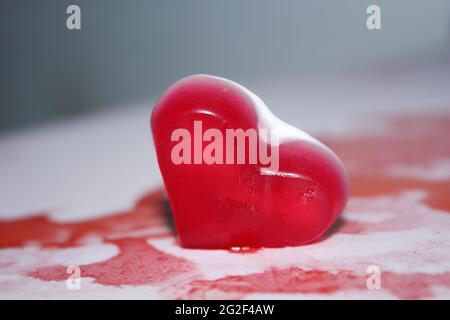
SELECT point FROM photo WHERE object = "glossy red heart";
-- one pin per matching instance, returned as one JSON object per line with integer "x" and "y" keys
{"x": 223, "y": 205}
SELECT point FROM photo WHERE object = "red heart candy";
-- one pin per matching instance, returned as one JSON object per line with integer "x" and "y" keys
{"x": 220, "y": 202}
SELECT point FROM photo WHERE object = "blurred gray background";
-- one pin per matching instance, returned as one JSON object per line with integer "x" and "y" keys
{"x": 128, "y": 51}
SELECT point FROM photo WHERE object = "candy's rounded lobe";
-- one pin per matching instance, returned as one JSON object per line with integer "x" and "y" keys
{"x": 243, "y": 204}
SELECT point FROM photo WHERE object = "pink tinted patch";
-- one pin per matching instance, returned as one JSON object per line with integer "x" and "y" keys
{"x": 290, "y": 280}
{"x": 148, "y": 212}
{"x": 297, "y": 281}
{"x": 138, "y": 263}
{"x": 412, "y": 141}
{"x": 417, "y": 140}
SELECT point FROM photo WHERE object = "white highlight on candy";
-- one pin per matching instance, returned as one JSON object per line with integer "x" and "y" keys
{"x": 269, "y": 172}
{"x": 280, "y": 131}
{"x": 267, "y": 120}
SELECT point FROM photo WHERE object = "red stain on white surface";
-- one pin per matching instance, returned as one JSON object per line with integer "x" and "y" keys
{"x": 297, "y": 281}
{"x": 412, "y": 141}
{"x": 138, "y": 263}
{"x": 147, "y": 213}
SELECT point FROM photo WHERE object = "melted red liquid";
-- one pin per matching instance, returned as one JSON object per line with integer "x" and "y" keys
{"x": 139, "y": 263}
{"x": 149, "y": 211}
{"x": 296, "y": 280}
{"x": 413, "y": 141}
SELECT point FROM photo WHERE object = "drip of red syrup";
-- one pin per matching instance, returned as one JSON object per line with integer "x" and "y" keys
{"x": 139, "y": 263}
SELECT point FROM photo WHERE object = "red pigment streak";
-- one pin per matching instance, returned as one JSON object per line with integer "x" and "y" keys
{"x": 369, "y": 185}
{"x": 297, "y": 281}
{"x": 148, "y": 212}
{"x": 138, "y": 263}
{"x": 413, "y": 141}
